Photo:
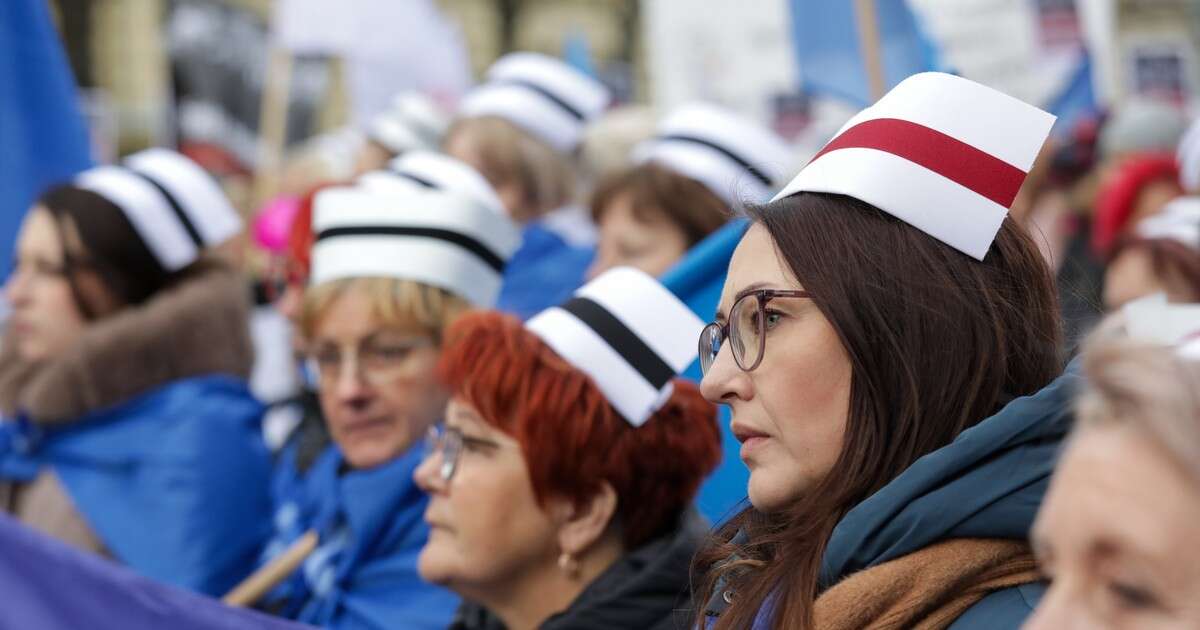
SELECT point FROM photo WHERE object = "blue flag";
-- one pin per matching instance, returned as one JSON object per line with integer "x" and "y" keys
{"x": 49, "y": 586}
{"x": 698, "y": 280}
{"x": 830, "y": 55}
{"x": 1077, "y": 99}
{"x": 41, "y": 126}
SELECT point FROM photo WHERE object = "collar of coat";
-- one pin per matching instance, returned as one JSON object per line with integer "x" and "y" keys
{"x": 198, "y": 326}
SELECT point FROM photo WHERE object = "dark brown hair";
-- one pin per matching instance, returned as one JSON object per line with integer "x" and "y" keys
{"x": 111, "y": 248}
{"x": 1169, "y": 258}
{"x": 656, "y": 191}
{"x": 937, "y": 342}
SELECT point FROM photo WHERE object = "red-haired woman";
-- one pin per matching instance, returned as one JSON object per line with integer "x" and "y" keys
{"x": 561, "y": 481}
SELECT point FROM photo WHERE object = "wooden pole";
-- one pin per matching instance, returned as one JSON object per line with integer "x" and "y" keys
{"x": 273, "y": 573}
{"x": 272, "y": 125}
{"x": 868, "y": 42}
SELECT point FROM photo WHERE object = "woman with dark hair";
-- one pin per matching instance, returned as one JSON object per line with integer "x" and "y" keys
{"x": 1161, "y": 254}
{"x": 561, "y": 483}
{"x": 700, "y": 167}
{"x": 131, "y": 431}
{"x": 882, "y": 314}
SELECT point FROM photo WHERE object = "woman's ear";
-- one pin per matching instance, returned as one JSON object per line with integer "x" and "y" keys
{"x": 584, "y": 524}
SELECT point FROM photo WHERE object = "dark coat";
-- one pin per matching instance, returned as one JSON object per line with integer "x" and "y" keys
{"x": 647, "y": 589}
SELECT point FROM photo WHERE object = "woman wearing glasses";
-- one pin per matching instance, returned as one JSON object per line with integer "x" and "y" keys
{"x": 390, "y": 271}
{"x": 561, "y": 483}
{"x": 878, "y": 320}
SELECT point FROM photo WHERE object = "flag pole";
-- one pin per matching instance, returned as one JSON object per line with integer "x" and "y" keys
{"x": 272, "y": 124}
{"x": 868, "y": 40}
{"x": 270, "y": 575}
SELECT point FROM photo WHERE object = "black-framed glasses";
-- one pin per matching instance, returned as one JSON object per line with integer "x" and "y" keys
{"x": 746, "y": 329}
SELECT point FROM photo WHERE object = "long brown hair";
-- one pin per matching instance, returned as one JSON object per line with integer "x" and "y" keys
{"x": 937, "y": 342}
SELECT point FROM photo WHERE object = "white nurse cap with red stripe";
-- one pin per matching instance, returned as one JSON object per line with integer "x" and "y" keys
{"x": 942, "y": 153}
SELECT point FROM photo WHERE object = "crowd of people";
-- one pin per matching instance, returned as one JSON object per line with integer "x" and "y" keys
{"x": 960, "y": 358}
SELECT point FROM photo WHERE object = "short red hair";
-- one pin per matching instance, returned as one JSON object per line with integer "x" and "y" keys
{"x": 1119, "y": 194}
{"x": 572, "y": 438}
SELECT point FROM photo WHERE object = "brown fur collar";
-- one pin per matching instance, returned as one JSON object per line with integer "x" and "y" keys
{"x": 198, "y": 326}
{"x": 927, "y": 589}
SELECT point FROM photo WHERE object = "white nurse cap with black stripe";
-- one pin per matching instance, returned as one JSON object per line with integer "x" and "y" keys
{"x": 429, "y": 236}
{"x": 411, "y": 122}
{"x": 433, "y": 171}
{"x": 627, "y": 332}
{"x": 176, "y": 207}
{"x": 736, "y": 158}
{"x": 540, "y": 94}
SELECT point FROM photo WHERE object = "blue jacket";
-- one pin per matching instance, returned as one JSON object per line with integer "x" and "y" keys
{"x": 543, "y": 272}
{"x": 174, "y": 482}
{"x": 988, "y": 483}
{"x": 371, "y": 527}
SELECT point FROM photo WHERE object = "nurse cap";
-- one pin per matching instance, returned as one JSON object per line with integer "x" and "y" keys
{"x": 428, "y": 236}
{"x": 1179, "y": 221}
{"x": 411, "y": 122}
{"x": 629, "y": 334}
{"x": 433, "y": 171}
{"x": 942, "y": 153}
{"x": 736, "y": 158}
{"x": 176, "y": 207}
{"x": 540, "y": 94}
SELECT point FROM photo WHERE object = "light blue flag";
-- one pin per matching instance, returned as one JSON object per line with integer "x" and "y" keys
{"x": 698, "y": 280}
{"x": 830, "y": 55}
{"x": 1077, "y": 99}
{"x": 41, "y": 126}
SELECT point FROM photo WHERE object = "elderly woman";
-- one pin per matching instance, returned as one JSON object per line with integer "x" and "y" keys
{"x": 522, "y": 129}
{"x": 391, "y": 269}
{"x": 1116, "y": 535}
{"x": 878, "y": 320}
{"x": 131, "y": 431}
{"x": 702, "y": 164}
{"x": 562, "y": 479}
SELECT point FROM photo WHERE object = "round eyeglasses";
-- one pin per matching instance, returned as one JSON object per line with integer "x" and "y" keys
{"x": 746, "y": 329}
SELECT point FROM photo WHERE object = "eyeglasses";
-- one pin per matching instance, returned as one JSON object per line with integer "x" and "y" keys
{"x": 376, "y": 361}
{"x": 450, "y": 442}
{"x": 746, "y": 328}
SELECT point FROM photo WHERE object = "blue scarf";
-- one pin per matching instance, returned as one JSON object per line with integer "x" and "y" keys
{"x": 371, "y": 527}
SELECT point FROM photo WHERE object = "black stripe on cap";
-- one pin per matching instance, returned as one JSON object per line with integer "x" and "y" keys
{"x": 547, "y": 94}
{"x": 489, "y": 257}
{"x": 627, "y": 344}
{"x": 182, "y": 216}
{"x": 742, "y": 162}
{"x": 416, "y": 179}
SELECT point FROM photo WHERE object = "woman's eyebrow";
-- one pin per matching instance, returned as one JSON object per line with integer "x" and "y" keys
{"x": 751, "y": 288}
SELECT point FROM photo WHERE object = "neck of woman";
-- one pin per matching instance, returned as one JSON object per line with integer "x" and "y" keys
{"x": 527, "y": 602}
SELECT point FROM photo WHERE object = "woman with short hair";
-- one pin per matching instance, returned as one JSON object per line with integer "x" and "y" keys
{"x": 701, "y": 166}
{"x": 392, "y": 267}
{"x": 562, "y": 481}
{"x": 1116, "y": 534}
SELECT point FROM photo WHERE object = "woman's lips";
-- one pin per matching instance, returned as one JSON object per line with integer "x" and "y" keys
{"x": 751, "y": 439}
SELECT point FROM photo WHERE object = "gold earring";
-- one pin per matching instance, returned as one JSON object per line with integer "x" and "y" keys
{"x": 569, "y": 565}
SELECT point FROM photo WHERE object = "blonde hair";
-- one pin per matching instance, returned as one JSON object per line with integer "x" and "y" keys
{"x": 1145, "y": 386}
{"x": 546, "y": 177}
{"x": 395, "y": 302}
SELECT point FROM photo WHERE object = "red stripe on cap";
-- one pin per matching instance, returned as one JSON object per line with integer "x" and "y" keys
{"x": 981, "y": 172}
